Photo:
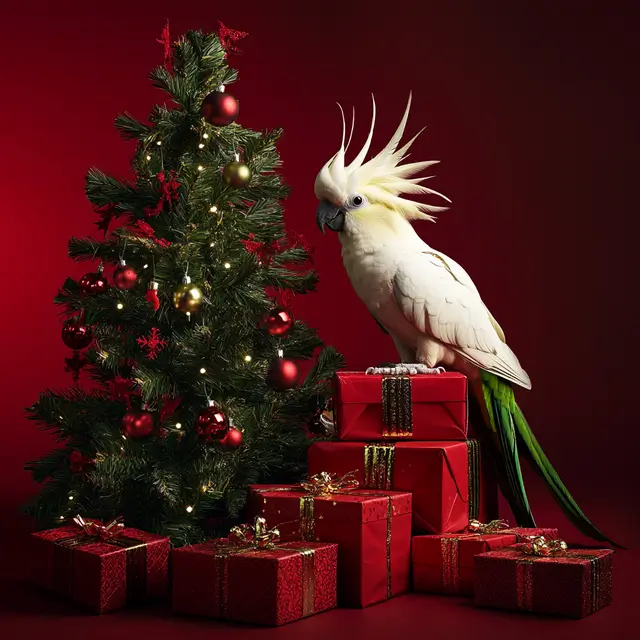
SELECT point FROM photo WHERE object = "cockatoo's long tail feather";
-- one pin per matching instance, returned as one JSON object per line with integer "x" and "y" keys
{"x": 507, "y": 418}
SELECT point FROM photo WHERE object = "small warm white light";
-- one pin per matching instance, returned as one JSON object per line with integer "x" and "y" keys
{"x": 121, "y": 448}
{"x": 203, "y": 370}
{"x": 70, "y": 497}
{"x": 188, "y": 314}
{"x": 124, "y": 437}
{"x": 205, "y": 135}
{"x": 280, "y": 353}
{"x": 212, "y": 244}
{"x": 227, "y": 265}
{"x": 146, "y": 266}
{"x": 201, "y": 146}
{"x": 119, "y": 305}
{"x": 61, "y": 517}
{"x": 200, "y": 167}
{"x": 61, "y": 418}
{"x": 237, "y": 157}
{"x": 204, "y": 488}
{"x": 178, "y": 425}
{"x": 159, "y": 142}
{"x": 213, "y": 209}
{"x": 189, "y": 509}
{"x": 148, "y": 157}
{"x": 248, "y": 358}
{"x": 221, "y": 88}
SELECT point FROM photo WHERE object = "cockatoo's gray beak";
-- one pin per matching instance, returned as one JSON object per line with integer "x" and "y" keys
{"x": 329, "y": 215}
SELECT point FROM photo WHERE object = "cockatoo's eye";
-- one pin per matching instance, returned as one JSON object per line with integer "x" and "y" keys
{"x": 356, "y": 201}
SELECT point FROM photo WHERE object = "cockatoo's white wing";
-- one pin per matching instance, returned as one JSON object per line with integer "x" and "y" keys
{"x": 438, "y": 297}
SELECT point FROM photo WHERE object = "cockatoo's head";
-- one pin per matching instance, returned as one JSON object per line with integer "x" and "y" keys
{"x": 351, "y": 194}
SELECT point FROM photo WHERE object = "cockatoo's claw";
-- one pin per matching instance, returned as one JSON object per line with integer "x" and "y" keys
{"x": 404, "y": 369}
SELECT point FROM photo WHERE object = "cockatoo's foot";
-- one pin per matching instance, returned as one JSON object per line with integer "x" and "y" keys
{"x": 404, "y": 369}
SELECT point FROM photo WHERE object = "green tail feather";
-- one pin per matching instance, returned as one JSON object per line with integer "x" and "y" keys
{"x": 507, "y": 419}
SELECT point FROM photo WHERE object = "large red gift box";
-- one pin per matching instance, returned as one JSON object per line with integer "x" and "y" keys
{"x": 372, "y": 529}
{"x": 103, "y": 575}
{"x": 575, "y": 584}
{"x": 271, "y": 586}
{"x": 443, "y": 477}
{"x": 420, "y": 407}
{"x": 445, "y": 563}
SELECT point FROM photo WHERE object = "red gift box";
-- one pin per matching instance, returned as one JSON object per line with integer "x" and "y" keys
{"x": 102, "y": 574}
{"x": 574, "y": 584}
{"x": 271, "y": 586}
{"x": 443, "y": 477}
{"x": 420, "y": 407}
{"x": 372, "y": 529}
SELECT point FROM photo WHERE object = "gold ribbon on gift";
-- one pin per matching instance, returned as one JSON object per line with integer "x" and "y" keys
{"x": 325, "y": 484}
{"x": 397, "y": 411}
{"x": 494, "y": 526}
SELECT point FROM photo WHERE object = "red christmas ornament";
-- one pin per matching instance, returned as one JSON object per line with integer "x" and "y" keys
{"x": 125, "y": 277}
{"x": 278, "y": 321}
{"x": 219, "y": 108}
{"x": 95, "y": 282}
{"x": 76, "y": 335}
{"x": 74, "y": 364}
{"x": 212, "y": 424}
{"x": 154, "y": 344}
{"x": 79, "y": 463}
{"x": 233, "y": 439}
{"x": 282, "y": 374}
{"x": 152, "y": 295}
{"x": 137, "y": 424}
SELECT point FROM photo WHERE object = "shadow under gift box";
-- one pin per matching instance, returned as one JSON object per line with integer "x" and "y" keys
{"x": 444, "y": 478}
{"x": 420, "y": 407}
{"x": 103, "y": 576}
{"x": 372, "y": 530}
{"x": 270, "y": 586}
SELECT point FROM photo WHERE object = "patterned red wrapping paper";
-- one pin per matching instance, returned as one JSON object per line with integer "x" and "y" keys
{"x": 259, "y": 586}
{"x": 445, "y": 563}
{"x": 443, "y": 477}
{"x": 420, "y": 407}
{"x": 574, "y": 585}
{"x": 373, "y": 533}
{"x": 101, "y": 575}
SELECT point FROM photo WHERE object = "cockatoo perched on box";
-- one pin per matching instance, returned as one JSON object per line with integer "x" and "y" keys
{"x": 428, "y": 303}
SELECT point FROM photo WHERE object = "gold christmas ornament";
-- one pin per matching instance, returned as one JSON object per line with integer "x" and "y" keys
{"x": 236, "y": 174}
{"x": 187, "y": 297}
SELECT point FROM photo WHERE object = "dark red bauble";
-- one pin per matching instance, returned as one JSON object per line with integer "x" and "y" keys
{"x": 125, "y": 277}
{"x": 137, "y": 424}
{"x": 282, "y": 375}
{"x": 233, "y": 439}
{"x": 76, "y": 335}
{"x": 212, "y": 424}
{"x": 219, "y": 108}
{"x": 278, "y": 321}
{"x": 92, "y": 283}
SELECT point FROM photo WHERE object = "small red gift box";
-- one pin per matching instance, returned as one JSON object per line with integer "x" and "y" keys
{"x": 443, "y": 477}
{"x": 102, "y": 571}
{"x": 420, "y": 407}
{"x": 271, "y": 586}
{"x": 372, "y": 529}
{"x": 574, "y": 584}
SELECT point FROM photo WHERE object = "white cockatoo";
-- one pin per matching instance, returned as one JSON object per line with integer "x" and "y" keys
{"x": 427, "y": 302}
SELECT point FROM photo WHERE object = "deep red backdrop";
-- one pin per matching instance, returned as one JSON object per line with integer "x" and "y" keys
{"x": 527, "y": 104}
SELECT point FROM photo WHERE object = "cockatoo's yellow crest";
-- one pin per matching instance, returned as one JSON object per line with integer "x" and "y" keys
{"x": 382, "y": 179}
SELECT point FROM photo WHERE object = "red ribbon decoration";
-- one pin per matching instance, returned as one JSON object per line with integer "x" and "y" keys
{"x": 79, "y": 463}
{"x": 100, "y": 530}
{"x": 169, "y": 405}
{"x": 169, "y": 188}
{"x": 229, "y": 38}
{"x": 122, "y": 389}
{"x": 165, "y": 41}
{"x": 145, "y": 230}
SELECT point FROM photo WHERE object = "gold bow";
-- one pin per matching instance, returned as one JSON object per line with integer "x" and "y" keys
{"x": 540, "y": 546}
{"x": 325, "y": 484}
{"x": 256, "y": 535}
{"x": 495, "y": 526}
{"x": 96, "y": 529}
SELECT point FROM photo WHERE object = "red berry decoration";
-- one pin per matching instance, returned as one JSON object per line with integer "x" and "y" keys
{"x": 278, "y": 321}
{"x": 125, "y": 277}
{"x": 93, "y": 283}
{"x": 212, "y": 424}
{"x": 137, "y": 424}
{"x": 219, "y": 108}
{"x": 76, "y": 335}
{"x": 282, "y": 375}
{"x": 233, "y": 439}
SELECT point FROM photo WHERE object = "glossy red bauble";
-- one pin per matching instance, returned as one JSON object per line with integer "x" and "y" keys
{"x": 282, "y": 375}
{"x": 233, "y": 439}
{"x": 219, "y": 108}
{"x": 278, "y": 321}
{"x": 137, "y": 424}
{"x": 212, "y": 424}
{"x": 76, "y": 335}
{"x": 125, "y": 277}
{"x": 92, "y": 283}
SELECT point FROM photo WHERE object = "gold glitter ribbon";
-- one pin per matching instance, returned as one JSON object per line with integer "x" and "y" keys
{"x": 494, "y": 526}
{"x": 473, "y": 460}
{"x": 397, "y": 411}
{"x": 324, "y": 483}
{"x": 378, "y": 465}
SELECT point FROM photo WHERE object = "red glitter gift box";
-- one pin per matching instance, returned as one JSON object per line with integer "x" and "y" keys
{"x": 574, "y": 584}
{"x": 443, "y": 477}
{"x": 101, "y": 571}
{"x": 420, "y": 407}
{"x": 444, "y": 563}
{"x": 271, "y": 586}
{"x": 372, "y": 529}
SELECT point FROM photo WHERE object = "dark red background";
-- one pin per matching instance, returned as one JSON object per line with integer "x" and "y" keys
{"x": 531, "y": 106}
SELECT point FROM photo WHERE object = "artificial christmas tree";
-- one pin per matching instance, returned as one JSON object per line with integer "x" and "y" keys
{"x": 193, "y": 264}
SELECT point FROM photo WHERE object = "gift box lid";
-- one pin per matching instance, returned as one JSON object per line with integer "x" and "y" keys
{"x": 368, "y": 505}
{"x": 357, "y": 387}
{"x": 281, "y": 550}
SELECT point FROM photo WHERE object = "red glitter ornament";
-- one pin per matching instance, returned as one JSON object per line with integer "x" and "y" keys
{"x": 219, "y": 108}
{"x": 93, "y": 283}
{"x": 75, "y": 334}
{"x": 152, "y": 295}
{"x": 282, "y": 374}
{"x": 233, "y": 439}
{"x": 278, "y": 321}
{"x": 137, "y": 424}
{"x": 125, "y": 277}
{"x": 153, "y": 343}
{"x": 212, "y": 424}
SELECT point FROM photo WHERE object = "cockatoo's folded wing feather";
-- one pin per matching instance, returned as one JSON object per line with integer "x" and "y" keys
{"x": 438, "y": 297}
